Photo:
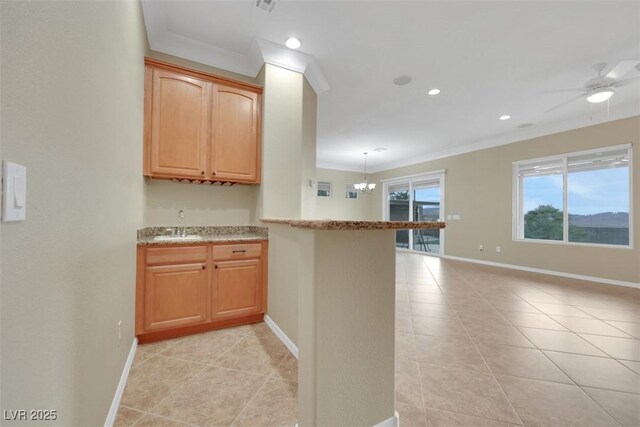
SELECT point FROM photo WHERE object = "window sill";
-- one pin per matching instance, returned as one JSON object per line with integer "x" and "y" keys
{"x": 562, "y": 242}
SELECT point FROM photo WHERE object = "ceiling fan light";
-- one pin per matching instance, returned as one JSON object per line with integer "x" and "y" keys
{"x": 600, "y": 95}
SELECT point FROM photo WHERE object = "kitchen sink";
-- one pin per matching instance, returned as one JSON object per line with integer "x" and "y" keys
{"x": 177, "y": 238}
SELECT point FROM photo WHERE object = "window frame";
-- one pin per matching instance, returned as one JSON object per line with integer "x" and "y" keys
{"x": 517, "y": 221}
{"x": 410, "y": 180}
{"x": 330, "y": 189}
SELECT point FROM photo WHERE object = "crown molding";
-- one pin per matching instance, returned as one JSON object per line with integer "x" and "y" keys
{"x": 249, "y": 64}
{"x": 523, "y": 135}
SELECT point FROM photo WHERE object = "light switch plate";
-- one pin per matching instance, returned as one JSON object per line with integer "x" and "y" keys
{"x": 14, "y": 192}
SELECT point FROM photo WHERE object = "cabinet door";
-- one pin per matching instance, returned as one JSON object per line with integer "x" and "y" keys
{"x": 236, "y": 288}
{"x": 175, "y": 295}
{"x": 179, "y": 125}
{"x": 234, "y": 141}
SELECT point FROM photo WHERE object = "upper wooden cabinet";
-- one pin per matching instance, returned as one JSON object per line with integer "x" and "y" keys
{"x": 199, "y": 126}
{"x": 180, "y": 111}
{"x": 235, "y": 132}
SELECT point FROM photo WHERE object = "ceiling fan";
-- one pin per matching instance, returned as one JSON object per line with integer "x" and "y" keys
{"x": 602, "y": 87}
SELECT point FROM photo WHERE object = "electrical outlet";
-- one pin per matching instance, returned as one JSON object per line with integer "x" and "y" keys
{"x": 498, "y": 249}
{"x": 119, "y": 332}
{"x": 481, "y": 248}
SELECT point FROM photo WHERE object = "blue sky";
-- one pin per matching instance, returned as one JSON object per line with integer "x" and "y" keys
{"x": 428, "y": 194}
{"x": 605, "y": 190}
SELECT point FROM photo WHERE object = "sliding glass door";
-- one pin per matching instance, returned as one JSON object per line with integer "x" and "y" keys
{"x": 398, "y": 207}
{"x": 419, "y": 198}
{"x": 426, "y": 207}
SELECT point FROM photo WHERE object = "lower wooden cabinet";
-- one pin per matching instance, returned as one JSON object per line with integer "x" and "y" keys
{"x": 236, "y": 290}
{"x": 184, "y": 289}
{"x": 175, "y": 295}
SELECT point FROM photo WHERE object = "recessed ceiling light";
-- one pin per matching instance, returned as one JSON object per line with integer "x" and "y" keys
{"x": 266, "y": 5}
{"x": 402, "y": 80}
{"x": 525, "y": 125}
{"x": 600, "y": 95}
{"x": 434, "y": 91}
{"x": 505, "y": 117}
{"x": 292, "y": 43}
{"x": 380, "y": 149}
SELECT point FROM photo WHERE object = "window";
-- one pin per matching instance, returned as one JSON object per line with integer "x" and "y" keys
{"x": 351, "y": 192}
{"x": 580, "y": 197}
{"x": 324, "y": 188}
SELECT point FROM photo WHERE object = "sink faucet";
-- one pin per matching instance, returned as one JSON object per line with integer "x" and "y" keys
{"x": 182, "y": 231}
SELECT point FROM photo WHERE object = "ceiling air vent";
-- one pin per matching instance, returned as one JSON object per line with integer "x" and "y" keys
{"x": 267, "y": 5}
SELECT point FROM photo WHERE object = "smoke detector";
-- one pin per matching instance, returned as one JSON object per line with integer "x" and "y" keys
{"x": 267, "y": 5}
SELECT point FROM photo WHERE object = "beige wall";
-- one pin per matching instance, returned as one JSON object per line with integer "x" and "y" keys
{"x": 202, "y": 204}
{"x": 285, "y": 266}
{"x": 288, "y": 164}
{"x": 72, "y": 92}
{"x": 479, "y": 187}
{"x": 338, "y": 206}
{"x": 280, "y": 190}
{"x": 354, "y": 311}
{"x": 308, "y": 151}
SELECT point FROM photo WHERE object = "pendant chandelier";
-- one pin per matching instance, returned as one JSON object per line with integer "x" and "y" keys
{"x": 364, "y": 186}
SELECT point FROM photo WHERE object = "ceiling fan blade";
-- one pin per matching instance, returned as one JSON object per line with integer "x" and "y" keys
{"x": 575, "y": 89}
{"x": 575, "y": 98}
{"x": 621, "y": 69}
{"x": 625, "y": 82}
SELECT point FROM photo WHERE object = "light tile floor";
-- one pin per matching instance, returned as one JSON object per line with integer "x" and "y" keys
{"x": 242, "y": 376}
{"x": 475, "y": 346}
{"x": 482, "y": 346}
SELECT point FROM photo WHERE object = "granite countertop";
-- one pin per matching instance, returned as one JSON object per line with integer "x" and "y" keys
{"x": 330, "y": 224}
{"x": 205, "y": 234}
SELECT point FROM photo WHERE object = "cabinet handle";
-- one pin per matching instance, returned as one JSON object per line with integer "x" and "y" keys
{"x": 202, "y": 172}
{"x": 213, "y": 173}
{"x": 215, "y": 266}
{"x": 239, "y": 251}
{"x": 204, "y": 267}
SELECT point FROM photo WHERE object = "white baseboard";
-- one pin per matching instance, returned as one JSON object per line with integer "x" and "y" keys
{"x": 549, "y": 272}
{"x": 113, "y": 411}
{"x": 280, "y": 334}
{"x": 390, "y": 422}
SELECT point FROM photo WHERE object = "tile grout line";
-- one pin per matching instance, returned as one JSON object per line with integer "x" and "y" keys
{"x": 204, "y": 367}
{"x": 488, "y": 368}
{"x": 561, "y": 370}
{"x": 154, "y": 415}
{"x": 413, "y": 338}
{"x": 259, "y": 390}
{"x": 191, "y": 378}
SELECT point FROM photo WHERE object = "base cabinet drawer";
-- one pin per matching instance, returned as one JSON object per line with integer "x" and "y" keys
{"x": 176, "y": 255}
{"x": 175, "y": 295}
{"x": 236, "y": 288}
{"x": 236, "y": 251}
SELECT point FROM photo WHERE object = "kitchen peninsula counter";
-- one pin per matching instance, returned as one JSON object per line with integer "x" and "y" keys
{"x": 331, "y": 224}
